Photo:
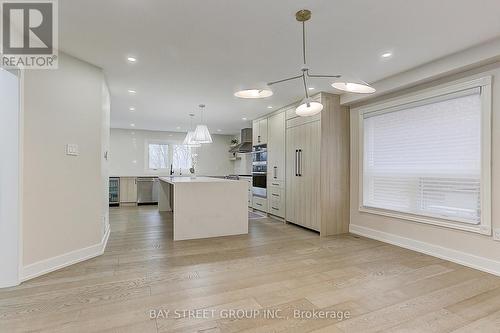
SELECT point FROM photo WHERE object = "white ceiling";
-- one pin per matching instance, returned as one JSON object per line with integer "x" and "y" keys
{"x": 198, "y": 51}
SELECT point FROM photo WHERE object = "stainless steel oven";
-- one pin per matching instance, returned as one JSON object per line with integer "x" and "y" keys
{"x": 259, "y": 171}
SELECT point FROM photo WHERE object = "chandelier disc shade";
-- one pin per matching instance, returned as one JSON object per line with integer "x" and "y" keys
{"x": 352, "y": 87}
{"x": 307, "y": 106}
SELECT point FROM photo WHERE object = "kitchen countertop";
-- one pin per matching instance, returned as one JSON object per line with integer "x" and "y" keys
{"x": 178, "y": 180}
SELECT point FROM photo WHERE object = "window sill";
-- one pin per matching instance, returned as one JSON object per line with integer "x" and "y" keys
{"x": 476, "y": 228}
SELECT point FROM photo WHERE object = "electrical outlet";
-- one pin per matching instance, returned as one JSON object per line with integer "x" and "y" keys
{"x": 72, "y": 149}
{"x": 496, "y": 234}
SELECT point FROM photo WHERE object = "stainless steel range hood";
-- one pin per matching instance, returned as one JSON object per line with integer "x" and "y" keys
{"x": 246, "y": 142}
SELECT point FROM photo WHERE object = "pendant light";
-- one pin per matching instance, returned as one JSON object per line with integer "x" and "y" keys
{"x": 201, "y": 133}
{"x": 353, "y": 87}
{"x": 307, "y": 107}
{"x": 189, "y": 140}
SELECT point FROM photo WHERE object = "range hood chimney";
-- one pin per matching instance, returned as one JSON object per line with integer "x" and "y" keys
{"x": 246, "y": 142}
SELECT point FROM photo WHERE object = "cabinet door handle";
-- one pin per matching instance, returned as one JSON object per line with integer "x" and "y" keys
{"x": 275, "y": 195}
{"x": 275, "y": 184}
{"x": 274, "y": 208}
{"x": 275, "y": 170}
{"x": 258, "y": 204}
{"x": 258, "y": 138}
{"x": 300, "y": 162}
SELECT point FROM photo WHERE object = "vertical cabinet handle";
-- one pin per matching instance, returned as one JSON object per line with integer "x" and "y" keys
{"x": 296, "y": 162}
{"x": 275, "y": 170}
{"x": 258, "y": 138}
{"x": 300, "y": 162}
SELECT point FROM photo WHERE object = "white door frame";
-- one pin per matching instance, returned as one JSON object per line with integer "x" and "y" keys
{"x": 11, "y": 237}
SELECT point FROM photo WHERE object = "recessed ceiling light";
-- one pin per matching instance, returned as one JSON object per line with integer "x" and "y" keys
{"x": 131, "y": 59}
{"x": 219, "y": 130}
{"x": 270, "y": 107}
{"x": 132, "y": 125}
{"x": 131, "y": 91}
{"x": 132, "y": 108}
{"x": 386, "y": 55}
{"x": 244, "y": 118}
{"x": 311, "y": 88}
{"x": 178, "y": 127}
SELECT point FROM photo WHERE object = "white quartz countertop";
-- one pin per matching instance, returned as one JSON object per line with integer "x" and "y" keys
{"x": 180, "y": 180}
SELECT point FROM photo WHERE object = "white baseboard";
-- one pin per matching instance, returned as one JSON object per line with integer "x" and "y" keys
{"x": 52, "y": 264}
{"x": 462, "y": 258}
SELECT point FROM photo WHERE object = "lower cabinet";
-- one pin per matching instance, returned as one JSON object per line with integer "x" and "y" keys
{"x": 276, "y": 199}
{"x": 260, "y": 204}
{"x": 128, "y": 190}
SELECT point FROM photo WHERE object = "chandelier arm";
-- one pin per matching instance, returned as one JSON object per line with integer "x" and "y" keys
{"x": 284, "y": 80}
{"x": 316, "y": 75}
{"x": 305, "y": 84}
{"x": 304, "y": 41}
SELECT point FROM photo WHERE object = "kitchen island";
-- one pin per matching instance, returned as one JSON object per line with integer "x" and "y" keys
{"x": 204, "y": 207}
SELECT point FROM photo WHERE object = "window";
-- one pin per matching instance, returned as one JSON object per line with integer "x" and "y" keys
{"x": 427, "y": 158}
{"x": 158, "y": 156}
{"x": 182, "y": 159}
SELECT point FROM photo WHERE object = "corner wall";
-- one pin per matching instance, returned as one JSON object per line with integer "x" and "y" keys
{"x": 471, "y": 249}
{"x": 63, "y": 209}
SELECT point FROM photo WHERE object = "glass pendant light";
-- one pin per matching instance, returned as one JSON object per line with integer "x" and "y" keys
{"x": 308, "y": 108}
{"x": 354, "y": 87}
{"x": 189, "y": 139}
{"x": 201, "y": 133}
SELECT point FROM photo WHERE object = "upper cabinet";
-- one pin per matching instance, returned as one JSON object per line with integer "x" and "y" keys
{"x": 276, "y": 147}
{"x": 259, "y": 132}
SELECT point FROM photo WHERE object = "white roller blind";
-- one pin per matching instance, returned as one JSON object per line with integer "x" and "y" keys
{"x": 425, "y": 158}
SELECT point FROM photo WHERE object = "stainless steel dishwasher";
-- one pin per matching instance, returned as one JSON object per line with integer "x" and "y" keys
{"x": 147, "y": 190}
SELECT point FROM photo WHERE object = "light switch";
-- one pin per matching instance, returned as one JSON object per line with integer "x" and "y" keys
{"x": 72, "y": 149}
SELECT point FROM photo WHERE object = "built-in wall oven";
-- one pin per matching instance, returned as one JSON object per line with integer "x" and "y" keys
{"x": 259, "y": 171}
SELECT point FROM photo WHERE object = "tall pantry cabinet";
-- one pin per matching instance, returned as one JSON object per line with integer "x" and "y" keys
{"x": 276, "y": 164}
{"x": 317, "y": 168}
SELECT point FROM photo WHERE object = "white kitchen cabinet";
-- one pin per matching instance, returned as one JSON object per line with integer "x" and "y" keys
{"x": 259, "y": 132}
{"x": 276, "y": 164}
{"x": 260, "y": 203}
{"x": 128, "y": 190}
{"x": 276, "y": 147}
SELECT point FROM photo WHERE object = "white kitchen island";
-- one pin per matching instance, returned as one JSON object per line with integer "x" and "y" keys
{"x": 205, "y": 207}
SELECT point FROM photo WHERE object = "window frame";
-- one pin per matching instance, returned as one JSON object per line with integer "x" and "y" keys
{"x": 423, "y": 97}
{"x": 169, "y": 153}
{"x": 181, "y": 145}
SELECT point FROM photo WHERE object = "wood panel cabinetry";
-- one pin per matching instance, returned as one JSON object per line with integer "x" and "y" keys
{"x": 317, "y": 168}
{"x": 303, "y": 172}
{"x": 259, "y": 132}
{"x": 128, "y": 190}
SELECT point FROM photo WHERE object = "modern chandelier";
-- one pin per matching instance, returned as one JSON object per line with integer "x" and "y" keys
{"x": 307, "y": 107}
{"x": 189, "y": 140}
{"x": 200, "y": 135}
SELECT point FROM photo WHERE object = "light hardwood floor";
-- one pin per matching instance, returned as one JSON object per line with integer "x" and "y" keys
{"x": 276, "y": 266}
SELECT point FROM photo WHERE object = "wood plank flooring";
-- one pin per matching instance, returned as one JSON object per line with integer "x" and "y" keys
{"x": 276, "y": 270}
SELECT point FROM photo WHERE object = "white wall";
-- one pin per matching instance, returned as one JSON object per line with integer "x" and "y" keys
{"x": 473, "y": 249}
{"x": 9, "y": 179}
{"x": 62, "y": 195}
{"x": 128, "y": 153}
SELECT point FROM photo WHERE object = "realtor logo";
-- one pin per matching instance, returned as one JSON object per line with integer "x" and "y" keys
{"x": 29, "y": 34}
